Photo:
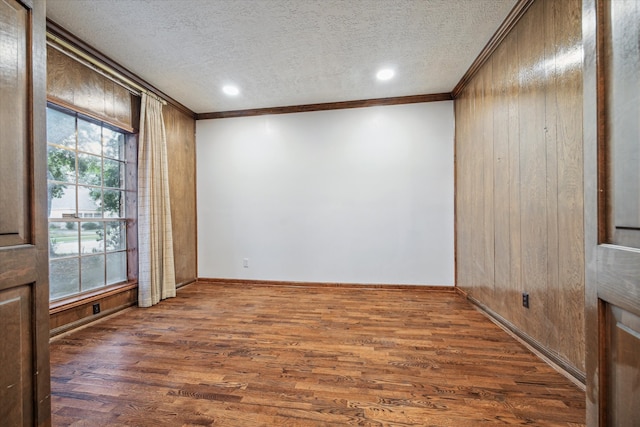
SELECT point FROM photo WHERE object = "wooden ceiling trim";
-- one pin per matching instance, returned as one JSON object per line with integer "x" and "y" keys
{"x": 505, "y": 28}
{"x": 412, "y": 99}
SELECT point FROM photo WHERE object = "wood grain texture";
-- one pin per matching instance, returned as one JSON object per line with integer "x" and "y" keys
{"x": 492, "y": 45}
{"x": 80, "y": 312}
{"x": 501, "y": 182}
{"x": 622, "y": 364}
{"x": 620, "y": 55}
{"x": 591, "y": 195}
{"x": 78, "y": 87}
{"x": 570, "y": 290}
{"x": 60, "y": 32}
{"x": 14, "y": 118}
{"x": 412, "y": 99}
{"x": 181, "y": 152}
{"x": 266, "y": 356}
{"x": 611, "y": 130}
{"x": 16, "y": 353}
{"x": 519, "y": 191}
{"x": 24, "y": 290}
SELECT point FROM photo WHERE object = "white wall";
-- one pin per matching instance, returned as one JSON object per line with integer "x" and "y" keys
{"x": 352, "y": 196}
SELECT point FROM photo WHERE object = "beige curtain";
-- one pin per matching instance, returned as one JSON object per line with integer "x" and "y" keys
{"x": 156, "y": 275}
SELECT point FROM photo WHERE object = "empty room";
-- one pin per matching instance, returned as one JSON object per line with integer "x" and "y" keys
{"x": 319, "y": 212}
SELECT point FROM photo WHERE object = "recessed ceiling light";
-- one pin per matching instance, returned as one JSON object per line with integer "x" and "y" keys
{"x": 231, "y": 90}
{"x": 385, "y": 74}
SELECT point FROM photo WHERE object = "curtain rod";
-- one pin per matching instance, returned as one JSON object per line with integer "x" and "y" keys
{"x": 104, "y": 70}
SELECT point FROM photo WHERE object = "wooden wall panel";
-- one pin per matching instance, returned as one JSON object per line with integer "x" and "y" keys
{"x": 181, "y": 150}
{"x": 80, "y": 313}
{"x": 519, "y": 194}
{"x": 533, "y": 168}
{"x": 501, "y": 193}
{"x": 76, "y": 86}
{"x": 571, "y": 264}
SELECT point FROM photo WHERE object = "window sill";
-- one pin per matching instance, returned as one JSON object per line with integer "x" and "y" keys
{"x": 88, "y": 297}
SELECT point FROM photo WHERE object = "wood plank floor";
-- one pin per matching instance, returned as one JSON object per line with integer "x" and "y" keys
{"x": 287, "y": 356}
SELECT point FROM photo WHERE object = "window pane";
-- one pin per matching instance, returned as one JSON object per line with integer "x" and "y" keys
{"x": 92, "y": 272}
{"x": 89, "y": 169}
{"x": 116, "y": 235}
{"x": 63, "y": 277}
{"x": 92, "y": 237}
{"x": 62, "y": 200}
{"x": 61, "y": 164}
{"x": 113, "y": 144}
{"x": 113, "y": 202}
{"x": 89, "y": 202}
{"x": 86, "y": 180}
{"x": 89, "y": 137}
{"x": 116, "y": 267}
{"x": 113, "y": 173}
{"x": 61, "y": 128}
{"x": 63, "y": 239}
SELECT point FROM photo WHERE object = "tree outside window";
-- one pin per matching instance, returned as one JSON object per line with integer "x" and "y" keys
{"x": 86, "y": 182}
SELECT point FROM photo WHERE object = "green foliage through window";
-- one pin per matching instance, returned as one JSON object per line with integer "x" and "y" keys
{"x": 86, "y": 188}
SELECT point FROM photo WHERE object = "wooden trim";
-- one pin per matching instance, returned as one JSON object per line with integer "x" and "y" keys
{"x": 455, "y": 201}
{"x": 82, "y": 299}
{"x": 462, "y": 292}
{"x": 327, "y": 106}
{"x": 64, "y": 34}
{"x": 76, "y": 306}
{"x": 87, "y": 320}
{"x": 185, "y": 283}
{"x": 507, "y": 25}
{"x": 291, "y": 284}
{"x": 110, "y": 121}
{"x": 573, "y": 374}
{"x": 592, "y": 38}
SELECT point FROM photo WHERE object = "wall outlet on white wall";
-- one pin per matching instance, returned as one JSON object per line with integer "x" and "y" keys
{"x": 245, "y": 262}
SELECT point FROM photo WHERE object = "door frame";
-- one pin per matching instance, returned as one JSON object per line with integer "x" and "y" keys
{"x": 591, "y": 40}
{"x": 597, "y": 211}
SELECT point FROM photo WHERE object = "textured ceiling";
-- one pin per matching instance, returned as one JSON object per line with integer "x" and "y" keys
{"x": 286, "y": 52}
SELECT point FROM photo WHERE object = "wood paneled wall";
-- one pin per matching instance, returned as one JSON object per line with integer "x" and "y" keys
{"x": 181, "y": 150}
{"x": 519, "y": 181}
{"x": 76, "y": 86}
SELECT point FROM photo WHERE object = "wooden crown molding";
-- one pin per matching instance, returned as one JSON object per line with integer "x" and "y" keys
{"x": 64, "y": 34}
{"x": 412, "y": 99}
{"x": 505, "y": 28}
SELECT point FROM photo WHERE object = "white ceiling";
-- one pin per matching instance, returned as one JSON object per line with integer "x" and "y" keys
{"x": 286, "y": 52}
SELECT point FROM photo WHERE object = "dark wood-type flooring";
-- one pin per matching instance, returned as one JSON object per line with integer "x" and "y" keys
{"x": 289, "y": 356}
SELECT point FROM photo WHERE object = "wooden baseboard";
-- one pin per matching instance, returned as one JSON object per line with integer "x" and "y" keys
{"x": 80, "y": 313}
{"x": 253, "y": 282}
{"x": 185, "y": 283}
{"x": 77, "y": 312}
{"x": 553, "y": 360}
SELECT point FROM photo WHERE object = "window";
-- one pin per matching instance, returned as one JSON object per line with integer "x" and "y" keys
{"x": 86, "y": 194}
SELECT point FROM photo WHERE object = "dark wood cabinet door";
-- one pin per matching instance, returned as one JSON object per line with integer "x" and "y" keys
{"x": 24, "y": 291}
{"x": 612, "y": 83}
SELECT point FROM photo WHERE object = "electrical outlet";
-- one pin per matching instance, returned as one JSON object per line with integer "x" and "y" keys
{"x": 525, "y": 300}
{"x": 96, "y": 308}
{"x": 245, "y": 263}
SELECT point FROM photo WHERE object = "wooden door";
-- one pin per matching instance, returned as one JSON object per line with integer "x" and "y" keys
{"x": 24, "y": 290}
{"x": 612, "y": 174}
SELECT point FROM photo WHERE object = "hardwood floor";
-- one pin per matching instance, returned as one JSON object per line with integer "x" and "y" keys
{"x": 291, "y": 356}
